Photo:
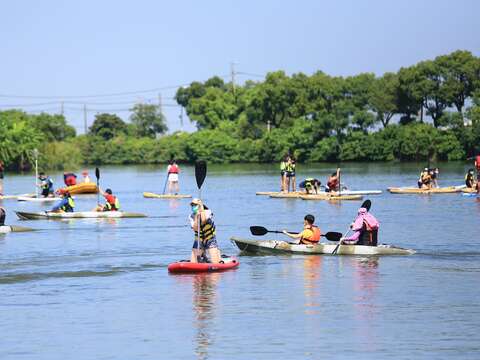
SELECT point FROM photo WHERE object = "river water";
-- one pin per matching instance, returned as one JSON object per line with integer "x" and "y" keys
{"x": 99, "y": 289}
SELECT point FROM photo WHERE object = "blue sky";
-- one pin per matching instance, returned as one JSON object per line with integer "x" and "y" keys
{"x": 62, "y": 50}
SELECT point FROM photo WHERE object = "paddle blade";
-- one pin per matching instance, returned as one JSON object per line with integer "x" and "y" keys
{"x": 97, "y": 173}
{"x": 367, "y": 204}
{"x": 200, "y": 172}
{"x": 333, "y": 236}
{"x": 258, "y": 230}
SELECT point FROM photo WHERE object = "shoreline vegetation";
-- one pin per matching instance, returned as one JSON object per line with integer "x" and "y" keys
{"x": 428, "y": 111}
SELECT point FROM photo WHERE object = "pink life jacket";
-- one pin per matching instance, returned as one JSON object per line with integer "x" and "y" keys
{"x": 364, "y": 216}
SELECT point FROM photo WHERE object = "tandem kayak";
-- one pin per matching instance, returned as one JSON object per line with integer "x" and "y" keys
{"x": 14, "y": 228}
{"x": 38, "y": 199}
{"x": 77, "y": 215}
{"x": 165, "y": 196}
{"x": 274, "y": 247}
{"x": 413, "y": 190}
{"x": 82, "y": 188}
{"x": 189, "y": 267}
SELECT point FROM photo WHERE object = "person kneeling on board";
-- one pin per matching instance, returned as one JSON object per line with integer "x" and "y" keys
{"x": 3, "y": 214}
{"x": 310, "y": 234}
{"x": 111, "y": 203}
{"x": 425, "y": 179}
{"x": 66, "y": 204}
{"x": 470, "y": 179}
{"x": 365, "y": 229}
{"x": 310, "y": 185}
{"x": 202, "y": 217}
{"x": 333, "y": 182}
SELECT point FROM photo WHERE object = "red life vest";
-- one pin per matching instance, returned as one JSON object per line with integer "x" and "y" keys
{"x": 332, "y": 184}
{"x": 314, "y": 238}
{"x": 173, "y": 169}
{"x": 70, "y": 180}
{"x": 477, "y": 163}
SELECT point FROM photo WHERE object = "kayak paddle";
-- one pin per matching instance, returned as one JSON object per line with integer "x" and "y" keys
{"x": 165, "y": 185}
{"x": 260, "y": 230}
{"x": 97, "y": 175}
{"x": 367, "y": 204}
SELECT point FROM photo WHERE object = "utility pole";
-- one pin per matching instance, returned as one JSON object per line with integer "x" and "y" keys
{"x": 159, "y": 102}
{"x": 268, "y": 126}
{"x": 232, "y": 73}
{"x": 85, "y": 118}
{"x": 61, "y": 108}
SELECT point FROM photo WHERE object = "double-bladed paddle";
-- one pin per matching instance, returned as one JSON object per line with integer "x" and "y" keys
{"x": 260, "y": 230}
{"x": 367, "y": 204}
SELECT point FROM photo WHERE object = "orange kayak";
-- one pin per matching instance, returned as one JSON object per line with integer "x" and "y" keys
{"x": 82, "y": 188}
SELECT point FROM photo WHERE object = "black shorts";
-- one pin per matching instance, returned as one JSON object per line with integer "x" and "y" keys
{"x": 46, "y": 192}
{"x": 290, "y": 174}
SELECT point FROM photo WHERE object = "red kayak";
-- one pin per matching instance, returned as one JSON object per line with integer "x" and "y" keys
{"x": 189, "y": 267}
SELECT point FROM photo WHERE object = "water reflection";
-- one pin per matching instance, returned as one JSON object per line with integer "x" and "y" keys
{"x": 312, "y": 272}
{"x": 204, "y": 303}
{"x": 173, "y": 204}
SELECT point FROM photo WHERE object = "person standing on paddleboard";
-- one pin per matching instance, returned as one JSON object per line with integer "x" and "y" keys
{"x": 208, "y": 241}
{"x": 365, "y": 228}
{"x": 173, "y": 170}
{"x": 310, "y": 235}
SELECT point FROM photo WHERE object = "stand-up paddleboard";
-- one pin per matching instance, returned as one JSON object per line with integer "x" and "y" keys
{"x": 331, "y": 197}
{"x": 14, "y": 228}
{"x": 165, "y": 196}
{"x": 38, "y": 199}
{"x": 413, "y": 190}
{"x": 77, "y": 215}
{"x": 185, "y": 266}
{"x": 8, "y": 197}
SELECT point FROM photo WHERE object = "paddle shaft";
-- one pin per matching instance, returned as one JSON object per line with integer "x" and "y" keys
{"x": 97, "y": 175}
{"x": 165, "y": 185}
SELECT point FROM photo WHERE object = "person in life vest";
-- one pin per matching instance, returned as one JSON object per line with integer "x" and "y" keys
{"x": 434, "y": 175}
{"x": 365, "y": 228}
{"x": 333, "y": 182}
{"x": 477, "y": 167}
{"x": 3, "y": 215}
{"x": 111, "y": 201}
{"x": 290, "y": 174}
{"x": 66, "y": 204}
{"x": 310, "y": 234}
{"x": 202, "y": 217}
{"x": 70, "y": 179}
{"x": 311, "y": 185}
{"x": 46, "y": 184}
{"x": 173, "y": 170}
{"x": 470, "y": 179}
{"x": 86, "y": 177}
{"x": 425, "y": 179}
{"x": 283, "y": 166}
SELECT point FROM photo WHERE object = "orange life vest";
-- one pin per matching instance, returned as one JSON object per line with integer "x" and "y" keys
{"x": 477, "y": 163}
{"x": 314, "y": 238}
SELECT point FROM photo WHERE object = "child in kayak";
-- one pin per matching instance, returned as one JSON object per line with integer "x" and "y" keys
{"x": 365, "y": 228}
{"x": 310, "y": 234}
{"x": 111, "y": 203}
{"x": 66, "y": 204}
{"x": 202, "y": 215}
{"x": 46, "y": 184}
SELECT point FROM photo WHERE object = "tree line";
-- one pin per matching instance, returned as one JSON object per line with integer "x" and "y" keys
{"x": 427, "y": 111}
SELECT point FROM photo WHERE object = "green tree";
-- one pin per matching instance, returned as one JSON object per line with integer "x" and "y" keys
{"x": 148, "y": 119}
{"x": 384, "y": 97}
{"x": 107, "y": 126}
{"x": 54, "y": 127}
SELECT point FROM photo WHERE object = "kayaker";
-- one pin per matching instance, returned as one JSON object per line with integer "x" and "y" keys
{"x": 425, "y": 179}
{"x": 365, "y": 228}
{"x": 3, "y": 214}
{"x": 311, "y": 185}
{"x": 333, "y": 182}
{"x": 86, "y": 178}
{"x": 173, "y": 170}
{"x": 1, "y": 177}
{"x": 310, "y": 234}
{"x": 70, "y": 179}
{"x": 283, "y": 166}
{"x": 290, "y": 174}
{"x": 470, "y": 179}
{"x": 46, "y": 184}
{"x": 208, "y": 241}
{"x": 66, "y": 204}
{"x": 111, "y": 203}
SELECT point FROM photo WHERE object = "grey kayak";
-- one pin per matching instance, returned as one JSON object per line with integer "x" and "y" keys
{"x": 275, "y": 246}
{"x": 77, "y": 215}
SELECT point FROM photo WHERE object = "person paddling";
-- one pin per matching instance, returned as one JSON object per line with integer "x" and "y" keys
{"x": 66, "y": 204}
{"x": 310, "y": 235}
{"x": 290, "y": 174}
{"x": 365, "y": 228}
{"x": 111, "y": 201}
{"x": 333, "y": 182}
{"x": 70, "y": 179}
{"x": 283, "y": 167}
{"x": 173, "y": 170}
{"x": 425, "y": 179}
{"x": 311, "y": 185}
{"x": 208, "y": 241}
{"x": 46, "y": 184}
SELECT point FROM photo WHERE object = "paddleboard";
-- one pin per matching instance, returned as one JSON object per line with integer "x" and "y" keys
{"x": 165, "y": 196}
{"x": 39, "y": 199}
{"x": 413, "y": 190}
{"x": 77, "y": 215}
{"x": 5, "y": 197}
{"x": 189, "y": 267}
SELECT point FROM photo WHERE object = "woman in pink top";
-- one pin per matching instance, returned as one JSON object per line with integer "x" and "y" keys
{"x": 365, "y": 229}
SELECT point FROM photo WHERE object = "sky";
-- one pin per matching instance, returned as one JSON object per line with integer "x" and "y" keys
{"x": 82, "y": 52}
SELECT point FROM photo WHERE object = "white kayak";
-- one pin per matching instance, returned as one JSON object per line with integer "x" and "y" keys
{"x": 77, "y": 215}
{"x": 38, "y": 199}
{"x": 13, "y": 228}
{"x": 274, "y": 246}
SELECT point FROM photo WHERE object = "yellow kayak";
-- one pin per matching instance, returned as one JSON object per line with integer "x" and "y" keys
{"x": 413, "y": 190}
{"x": 82, "y": 188}
{"x": 165, "y": 196}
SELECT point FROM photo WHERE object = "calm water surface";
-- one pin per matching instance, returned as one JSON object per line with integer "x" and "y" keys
{"x": 99, "y": 289}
